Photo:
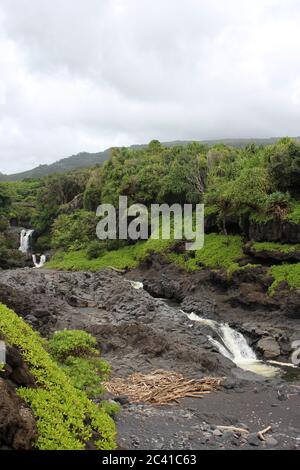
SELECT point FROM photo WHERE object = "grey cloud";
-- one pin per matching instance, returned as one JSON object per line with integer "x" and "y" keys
{"x": 87, "y": 74}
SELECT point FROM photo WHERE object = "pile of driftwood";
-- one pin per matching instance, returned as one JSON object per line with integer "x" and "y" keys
{"x": 161, "y": 387}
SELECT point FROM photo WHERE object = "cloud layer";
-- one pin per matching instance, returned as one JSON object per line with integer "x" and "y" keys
{"x": 88, "y": 74}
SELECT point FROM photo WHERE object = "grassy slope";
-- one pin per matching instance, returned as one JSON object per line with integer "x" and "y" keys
{"x": 219, "y": 251}
{"x": 272, "y": 246}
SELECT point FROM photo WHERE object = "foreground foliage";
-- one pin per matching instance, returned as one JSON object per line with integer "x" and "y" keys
{"x": 66, "y": 418}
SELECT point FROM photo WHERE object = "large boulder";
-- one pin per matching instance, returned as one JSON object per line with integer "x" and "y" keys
{"x": 269, "y": 347}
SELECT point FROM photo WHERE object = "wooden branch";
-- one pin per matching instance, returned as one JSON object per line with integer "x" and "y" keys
{"x": 283, "y": 364}
{"x": 233, "y": 429}
{"x": 261, "y": 434}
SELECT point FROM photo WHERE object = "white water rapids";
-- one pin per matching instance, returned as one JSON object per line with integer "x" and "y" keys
{"x": 234, "y": 346}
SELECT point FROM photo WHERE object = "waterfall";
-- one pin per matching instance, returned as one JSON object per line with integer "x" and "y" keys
{"x": 25, "y": 239}
{"x": 41, "y": 263}
{"x": 234, "y": 346}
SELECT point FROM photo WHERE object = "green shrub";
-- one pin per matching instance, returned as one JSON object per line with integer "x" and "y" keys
{"x": 219, "y": 251}
{"x": 75, "y": 230}
{"x": 66, "y": 418}
{"x": 87, "y": 373}
{"x": 284, "y": 164}
{"x": 273, "y": 246}
{"x": 43, "y": 243}
{"x": 294, "y": 215}
{"x": 72, "y": 343}
{"x": 4, "y": 223}
{"x": 289, "y": 273}
{"x": 278, "y": 204}
{"x": 92, "y": 198}
{"x": 3, "y": 247}
{"x": 110, "y": 407}
{"x": 95, "y": 249}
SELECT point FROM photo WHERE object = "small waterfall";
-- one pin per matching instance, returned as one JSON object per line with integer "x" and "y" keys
{"x": 41, "y": 263}
{"x": 234, "y": 346}
{"x": 25, "y": 240}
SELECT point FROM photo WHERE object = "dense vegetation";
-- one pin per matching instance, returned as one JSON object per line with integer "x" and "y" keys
{"x": 85, "y": 159}
{"x": 66, "y": 418}
{"x": 240, "y": 186}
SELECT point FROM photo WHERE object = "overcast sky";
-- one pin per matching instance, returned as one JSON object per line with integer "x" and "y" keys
{"x": 81, "y": 75}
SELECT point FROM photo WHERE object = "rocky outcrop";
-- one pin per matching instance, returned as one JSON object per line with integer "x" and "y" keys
{"x": 275, "y": 231}
{"x": 268, "y": 347}
{"x": 36, "y": 309}
{"x": 16, "y": 370}
{"x": 272, "y": 256}
{"x": 291, "y": 307}
{"x": 17, "y": 424}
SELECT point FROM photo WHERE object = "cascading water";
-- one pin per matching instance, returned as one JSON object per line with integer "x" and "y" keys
{"x": 41, "y": 263}
{"x": 25, "y": 247}
{"x": 25, "y": 240}
{"x": 234, "y": 346}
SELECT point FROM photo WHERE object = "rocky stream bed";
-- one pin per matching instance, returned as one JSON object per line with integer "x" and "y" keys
{"x": 138, "y": 330}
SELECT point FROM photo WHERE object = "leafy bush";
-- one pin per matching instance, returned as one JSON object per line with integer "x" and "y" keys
{"x": 72, "y": 343}
{"x": 4, "y": 223}
{"x": 74, "y": 231}
{"x": 294, "y": 215}
{"x": 289, "y": 273}
{"x": 278, "y": 204}
{"x": 92, "y": 198}
{"x": 284, "y": 164}
{"x": 66, "y": 418}
{"x": 3, "y": 247}
{"x": 273, "y": 246}
{"x": 43, "y": 243}
{"x": 76, "y": 353}
{"x": 95, "y": 249}
{"x": 219, "y": 251}
{"x": 87, "y": 373}
{"x": 5, "y": 197}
